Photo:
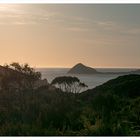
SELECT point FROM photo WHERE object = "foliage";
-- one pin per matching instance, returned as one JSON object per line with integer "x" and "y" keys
{"x": 69, "y": 84}
{"x": 19, "y": 76}
{"x": 26, "y": 70}
{"x": 102, "y": 111}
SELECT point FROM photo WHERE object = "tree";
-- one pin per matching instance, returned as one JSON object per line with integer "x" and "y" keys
{"x": 20, "y": 76}
{"x": 69, "y": 84}
{"x": 26, "y": 70}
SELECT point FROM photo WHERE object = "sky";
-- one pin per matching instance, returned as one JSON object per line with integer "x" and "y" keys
{"x": 62, "y": 35}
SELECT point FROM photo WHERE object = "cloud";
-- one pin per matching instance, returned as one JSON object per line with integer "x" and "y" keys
{"x": 119, "y": 28}
{"x": 77, "y": 29}
{"x": 23, "y": 14}
{"x": 133, "y": 31}
{"x": 12, "y": 14}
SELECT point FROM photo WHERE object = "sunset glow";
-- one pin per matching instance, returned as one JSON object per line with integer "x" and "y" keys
{"x": 62, "y": 35}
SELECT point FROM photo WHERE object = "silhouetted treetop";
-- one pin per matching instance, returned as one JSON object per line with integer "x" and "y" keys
{"x": 25, "y": 69}
{"x": 69, "y": 84}
{"x": 20, "y": 76}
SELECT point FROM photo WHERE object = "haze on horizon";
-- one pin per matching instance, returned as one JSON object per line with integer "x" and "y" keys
{"x": 56, "y": 35}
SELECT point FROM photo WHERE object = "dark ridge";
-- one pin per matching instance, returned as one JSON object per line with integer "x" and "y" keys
{"x": 123, "y": 86}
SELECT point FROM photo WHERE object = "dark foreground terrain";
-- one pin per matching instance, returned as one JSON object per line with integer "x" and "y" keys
{"x": 112, "y": 109}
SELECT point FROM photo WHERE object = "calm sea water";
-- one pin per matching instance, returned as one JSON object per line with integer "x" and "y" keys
{"x": 91, "y": 80}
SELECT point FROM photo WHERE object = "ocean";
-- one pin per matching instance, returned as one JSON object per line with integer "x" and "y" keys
{"x": 90, "y": 80}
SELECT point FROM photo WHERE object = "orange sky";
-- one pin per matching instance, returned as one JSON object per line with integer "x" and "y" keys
{"x": 63, "y": 35}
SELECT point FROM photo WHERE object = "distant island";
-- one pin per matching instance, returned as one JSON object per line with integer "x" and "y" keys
{"x": 83, "y": 69}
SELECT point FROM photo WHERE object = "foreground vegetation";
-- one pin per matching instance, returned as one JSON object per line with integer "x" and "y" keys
{"x": 111, "y": 109}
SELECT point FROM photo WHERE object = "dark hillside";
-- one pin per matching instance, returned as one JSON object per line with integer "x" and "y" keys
{"x": 111, "y": 109}
{"x": 127, "y": 85}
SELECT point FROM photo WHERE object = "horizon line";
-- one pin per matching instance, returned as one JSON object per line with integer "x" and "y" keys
{"x": 36, "y": 67}
{"x": 116, "y": 67}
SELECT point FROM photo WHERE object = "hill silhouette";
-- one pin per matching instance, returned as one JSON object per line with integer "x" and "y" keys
{"x": 124, "y": 86}
{"x": 82, "y": 69}
{"x": 116, "y": 106}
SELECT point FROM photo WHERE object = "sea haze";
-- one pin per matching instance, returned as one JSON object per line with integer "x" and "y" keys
{"x": 91, "y": 80}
